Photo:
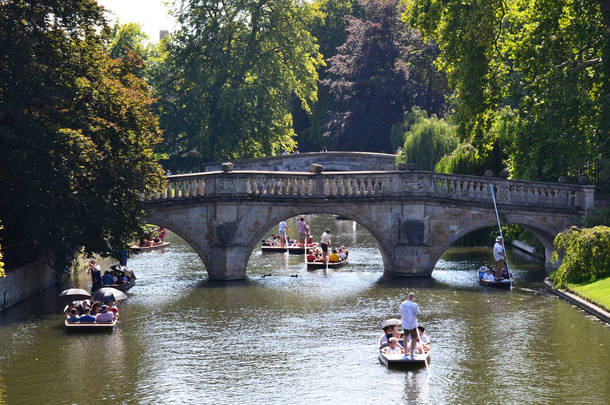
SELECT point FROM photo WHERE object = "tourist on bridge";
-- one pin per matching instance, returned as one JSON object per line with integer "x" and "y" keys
{"x": 408, "y": 316}
{"x": 325, "y": 243}
{"x": 499, "y": 256}
{"x": 302, "y": 230}
{"x": 283, "y": 227}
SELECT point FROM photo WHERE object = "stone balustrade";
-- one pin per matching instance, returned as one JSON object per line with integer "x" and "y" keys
{"x": 387, "y": 184}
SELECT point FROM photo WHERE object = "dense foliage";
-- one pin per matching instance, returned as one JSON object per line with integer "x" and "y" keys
{"x": 77, "y": 131}
{"x": 383, "y": 69}
{"x": 547, "y": 60}
{"x": 600, "y": 216}
{"x": 426, "y": 141}
{"x": 585, "y": 255}
{"x": 230, "y": 76}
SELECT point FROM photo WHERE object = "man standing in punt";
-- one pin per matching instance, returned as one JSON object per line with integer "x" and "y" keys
{"x": 499, "y": 255}
{"x": 408, "y": 316}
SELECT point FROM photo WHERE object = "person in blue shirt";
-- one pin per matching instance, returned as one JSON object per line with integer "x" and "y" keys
{"x": 73, "y": 317}
{"x": 86, "y": 317}
{"x": 108, "y": 278}
{"x": 123, "y": 258}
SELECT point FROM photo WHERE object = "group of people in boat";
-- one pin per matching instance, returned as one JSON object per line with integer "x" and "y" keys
{"x": 110, "y": 277}
{"x": 337, "y": 255}
{"x": 85, "y": 312}
{"x": 412, "y": 339}
{"x": 157, "y": 238}
{"x": 274, "y": 240}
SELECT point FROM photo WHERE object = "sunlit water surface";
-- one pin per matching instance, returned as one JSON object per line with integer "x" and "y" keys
{"x": 277, "y": 338}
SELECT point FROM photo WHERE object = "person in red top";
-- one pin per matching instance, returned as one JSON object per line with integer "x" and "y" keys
{"x": 162, "y": 233}
{"x": 311, "y": 257}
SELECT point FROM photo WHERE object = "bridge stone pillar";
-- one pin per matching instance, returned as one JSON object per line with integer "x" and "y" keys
{"x": 228, "y": 255}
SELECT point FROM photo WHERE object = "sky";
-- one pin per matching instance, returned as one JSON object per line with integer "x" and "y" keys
{"x": 152, "y": 15}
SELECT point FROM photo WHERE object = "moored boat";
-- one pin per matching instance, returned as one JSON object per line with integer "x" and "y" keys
{"x": 402, "y": 361}
{"x": 90, "y": 326}
{"x": 151, "y": 247}
{"x": 292, "y": 249}
{"x": 323, "y": 265}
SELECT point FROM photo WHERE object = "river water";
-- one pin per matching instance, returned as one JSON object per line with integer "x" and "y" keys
{"x": 277, "y": 338}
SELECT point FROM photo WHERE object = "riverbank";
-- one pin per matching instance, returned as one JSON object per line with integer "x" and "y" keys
{"x": 585, "y": 296}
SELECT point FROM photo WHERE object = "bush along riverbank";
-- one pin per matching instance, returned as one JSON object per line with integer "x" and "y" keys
{"x": 585, "y": 265}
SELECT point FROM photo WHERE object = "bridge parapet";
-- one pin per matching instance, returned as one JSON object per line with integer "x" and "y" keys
{"x": 382, "y": 184}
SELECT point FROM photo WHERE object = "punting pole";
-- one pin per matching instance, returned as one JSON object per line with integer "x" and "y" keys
{"x": 493, "y": 197}
{"x": 423, "y": 351}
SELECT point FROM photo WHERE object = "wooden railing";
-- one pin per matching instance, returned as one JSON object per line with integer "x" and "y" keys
{"x": 392, "y": 184}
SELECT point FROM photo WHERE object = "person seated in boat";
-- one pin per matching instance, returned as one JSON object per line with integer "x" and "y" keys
{"x": 482, "y": 270}
{"x": 384, "y": 340}
{"x": 345, "y": 251}
{"x": 488, "y": 276}
{"x": 95, "y": 308}
{"x": 87, "y": 316}
{"x": 334, "y": 257}
{"x": 393, "y": 347}
{"x": 311, "y": 257}
{"x": 114, "y": 309}
{"x": 108, "y": 279}
{"x": 162, "y": 233}
{"x": 73, "y": 318}
{"x": 504, "y": 273}
{"x": 104, "y": 315}
{"x": 125, "y": 279}
{"x": 265, "y": 242}
{"x": 342, "y": 253}
{"x": 424, "y": 338}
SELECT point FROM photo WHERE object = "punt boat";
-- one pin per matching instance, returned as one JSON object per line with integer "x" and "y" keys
{"x": 501, "y": 284}
{"x": 145, "y": 248}
{"x": 401, "y": 361}
{"x": 78, "y": 327}
{"x": 120, "y": 271}
{"x": 322, "y": 265}
{"x": 504, "y": 284}
{"x": 292, "y": 249}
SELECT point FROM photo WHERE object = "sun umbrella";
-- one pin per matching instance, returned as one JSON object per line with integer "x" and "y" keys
{"x": 108, "y": 294}
{"x": 391, "y": 322}
{"x": 74, "y": 294}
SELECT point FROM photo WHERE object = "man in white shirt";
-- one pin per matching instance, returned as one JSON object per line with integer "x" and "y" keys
{"x": 283, "y": 227}
{"x": 408, "y": 315}
{"x": 325, "y": 244}
{"x": 499, "y": 255}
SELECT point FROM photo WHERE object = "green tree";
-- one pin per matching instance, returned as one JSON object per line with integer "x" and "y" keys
{"x": 77, "y": 131}
{"x": 586, "y": 257}
{"x": 231, "y": 74}
{"x": 426, "y": 141}
{"x": 128, "y": 39}
{"x": 545, "y": 59}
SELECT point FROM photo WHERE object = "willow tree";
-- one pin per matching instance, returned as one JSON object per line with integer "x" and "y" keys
{"x": 230, "y": 76}
{"x": 546, "y": 59}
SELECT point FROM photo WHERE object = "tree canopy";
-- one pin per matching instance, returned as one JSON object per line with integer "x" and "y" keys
{"x": 545, "y": 59}
{"x": 382, "y": 70}
{"x": 231, "y": 73}
{"x": 77, "y": 131}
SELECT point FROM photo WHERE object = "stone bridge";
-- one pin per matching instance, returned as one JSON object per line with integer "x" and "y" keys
{"x": 415, "y": 216}
{"x": 331, "y": 161}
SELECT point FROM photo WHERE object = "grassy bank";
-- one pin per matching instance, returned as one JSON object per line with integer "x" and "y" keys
{"x": 597, "y": 292}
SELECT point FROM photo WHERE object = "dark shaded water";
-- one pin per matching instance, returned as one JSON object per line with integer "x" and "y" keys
{"x": 310, "y": 338}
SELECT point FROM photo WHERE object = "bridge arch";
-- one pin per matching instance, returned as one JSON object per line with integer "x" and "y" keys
{"x": 543, "y": 232}
{"x": 291, "y": 212}
{"x": 182, "y": 232}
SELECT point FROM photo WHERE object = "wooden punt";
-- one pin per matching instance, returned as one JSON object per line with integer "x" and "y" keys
{"x": 145, "y": 248}
{"x": 124, "y": 286}
{"x": 322, "y": 265}
{"x": 501, "y": 284}
{"x": 90, "y": 327}
{"x": 400, "y": 360}
{"x": 292, "y": 249}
